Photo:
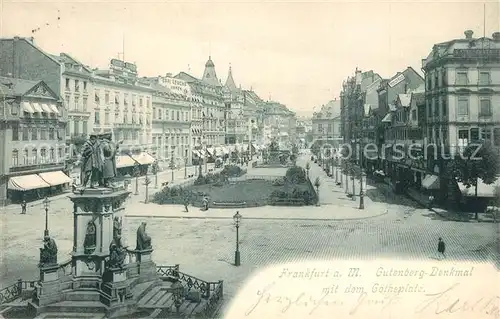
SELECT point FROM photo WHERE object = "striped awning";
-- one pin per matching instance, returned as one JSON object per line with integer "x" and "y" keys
{"x": 196, "y": 153}
{"x": 54, "y": 108}
{"x": 26, "y": 182}
{"x": 210, "y": 151}
{"x": 46, "y": 109}
{"x": 27, "y": 108}
{"x": 124, "y": 161}
{"x": 55, "y": 178}
{"x": 37, "y": 108}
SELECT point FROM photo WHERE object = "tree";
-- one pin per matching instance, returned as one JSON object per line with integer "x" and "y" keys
{"x": 477, "y": 161}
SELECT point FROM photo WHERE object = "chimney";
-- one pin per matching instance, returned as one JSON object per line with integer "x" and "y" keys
{"x": 468, "y": 34}
{"x": 496, "y": 36}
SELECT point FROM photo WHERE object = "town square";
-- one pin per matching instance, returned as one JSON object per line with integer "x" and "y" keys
{"x": 141, "y": 185}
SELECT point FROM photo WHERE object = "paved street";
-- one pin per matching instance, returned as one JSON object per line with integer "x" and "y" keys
{"x": 205, "y": 247}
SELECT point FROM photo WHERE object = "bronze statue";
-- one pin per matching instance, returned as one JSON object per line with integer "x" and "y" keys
{"x": 48, "y": 254}
{"x": 117, "y": 229}
{"x": 89, "y": 243}
{"x": 143, "y": 240}
{"x": 99, "y": 160}
{"x": 117, "y": 256}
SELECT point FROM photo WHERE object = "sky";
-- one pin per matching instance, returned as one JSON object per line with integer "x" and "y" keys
{"x": 297, "y": 53}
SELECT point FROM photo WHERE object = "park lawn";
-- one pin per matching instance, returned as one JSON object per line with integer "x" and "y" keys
{"x": 250, "y": 191}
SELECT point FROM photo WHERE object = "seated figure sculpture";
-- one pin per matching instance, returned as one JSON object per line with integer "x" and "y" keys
{"x": 116, "y": 256}
{"x": 143, "y": 240}
{"x": 48, "y": 254}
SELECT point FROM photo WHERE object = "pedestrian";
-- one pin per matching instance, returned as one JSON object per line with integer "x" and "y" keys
{"x": 186, "y": 203}
{"x": 23, "y": 207}
{"x": 441, "y": 248}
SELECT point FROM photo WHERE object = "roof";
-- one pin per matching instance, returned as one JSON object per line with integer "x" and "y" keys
{"x": 405, "y": 99}
{"x": 66, "y": 58}
{"x": 186, "y": 77}
{"x": 16, "y": 87}
{"x": 230, "y": 81}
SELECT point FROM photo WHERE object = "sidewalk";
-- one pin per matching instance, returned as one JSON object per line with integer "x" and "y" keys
{"x": 266, "y": 212}
{"x": 163, "y": 176}
{"x": 329, "y": 191}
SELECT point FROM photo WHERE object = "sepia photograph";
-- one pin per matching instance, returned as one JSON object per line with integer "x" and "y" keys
{"x": 249, "y": 159}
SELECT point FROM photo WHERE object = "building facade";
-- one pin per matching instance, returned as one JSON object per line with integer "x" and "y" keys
{"x": 32, "y": 141}
{"x": 122, "y": 105}
{"x": 172, "y": 131}
{"x": 326, "y": 122}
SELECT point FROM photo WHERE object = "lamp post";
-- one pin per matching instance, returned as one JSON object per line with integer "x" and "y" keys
{"x": 155, "y": 171}
{"x": 237, "y": 220}
{"x": 147, "y": 181}
{"x": 361, "y": 193}
{"x": 46, "y": 205}
{"x": 136, "y": 174}
{"x": 185, "y": 167}
{"x": 205, "y": 158}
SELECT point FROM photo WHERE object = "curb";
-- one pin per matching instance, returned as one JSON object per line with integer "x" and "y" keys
{"x": 254, "y": 218}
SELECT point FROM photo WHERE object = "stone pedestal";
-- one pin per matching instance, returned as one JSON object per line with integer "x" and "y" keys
{"x": 49, "y": 273}
{"x": 146, "y": 266}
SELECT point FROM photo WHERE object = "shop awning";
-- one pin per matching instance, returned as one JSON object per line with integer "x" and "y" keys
{"x": 26, "y": 183}
{"x": 225, "y": 150}
{"x": 483, "y": 190}
{"x": 431, "y": 182}
{"x": 55, "y": 178}
{"x": 46, "y": 109}
{"x": 210, "y": 151}
{"x": 124, "y": 161}
{"x": 27, "y": 108}
{"x": 202, "y": 152}
{"x": 387, "y": 118}
{"x": 196, "y": 153}
{"x": 219, "y": 151}
{"x": 143, "y": 158}
{"x": 54, "y": 108}
{"x": 37, "y": 108}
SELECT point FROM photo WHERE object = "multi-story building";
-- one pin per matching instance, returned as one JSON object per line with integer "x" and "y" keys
{"x": 208, "y": 110}
{"x": 462, "y": 78}
{"x": 32, "y": 140}
{"x": 279, "y": 124}
{"x": 172, "y": 131}
{"x": 253, "y": 106}
{"x": 234, "y": 99}
{"x": 123, "y": 105}
{"x": 326, "y": 122}
{"x": 76, "y": 89}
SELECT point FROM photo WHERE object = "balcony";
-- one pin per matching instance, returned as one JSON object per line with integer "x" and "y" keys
{"x": 30, "y": 167}
{"x": 128, "y": 126}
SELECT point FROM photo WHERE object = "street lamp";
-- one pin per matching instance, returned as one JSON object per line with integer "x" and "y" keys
{"x": 46, "y": 205}
{"x": 147, "y": 181}
{"x": 185, "y": 167}
{"x": 237, "y": 220}
{"x": 136, "y": 174}
{"x": 361, "y": 193}
{"x": 155, "y": 171}
{"x": 172, "y": 164}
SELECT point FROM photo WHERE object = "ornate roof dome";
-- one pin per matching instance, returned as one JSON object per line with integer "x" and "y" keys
{"x": 210, "y": 63}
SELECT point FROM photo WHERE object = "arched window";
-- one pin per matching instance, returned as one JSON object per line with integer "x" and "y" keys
{"x": 25, "y": 156}
{"x": 15, "y": 158}
{"x": 52, "y": 155}
{"x": 43, "y": 155}
{"x": 34, "y": 155}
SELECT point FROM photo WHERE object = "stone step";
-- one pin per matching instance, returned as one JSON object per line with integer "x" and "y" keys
{"x": 141, "y": 289}
{"x": 76, "y": 307}
{"x": 82, "y": 295}
{"x": 150, "y": 295}
{"x": 70, "y": 315}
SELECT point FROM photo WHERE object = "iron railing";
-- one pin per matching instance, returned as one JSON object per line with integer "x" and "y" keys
{"x": 13, "y": 292}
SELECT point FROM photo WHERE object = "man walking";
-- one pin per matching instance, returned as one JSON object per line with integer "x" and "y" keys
{"x": 441, "y": 248}
{"x": 23, "y": 207}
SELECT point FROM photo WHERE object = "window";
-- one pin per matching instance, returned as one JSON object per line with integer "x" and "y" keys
{"x": 463, "y": 106}
{"x": 436, "y": 79}
{"x": 462, "y": 78}
{"x": 97, "y": 118}
{"x": 106, "y": 118}
{"x": 178, "y": 116}
{"x": 463, "y": 135}
{"x": 84, "y": 107}
{"x": 15, "y": 158}
{"x": 60, "y": 154}
{"x": 414, "y": 115}
{"x": 68, "y": 130}
{"x": 96, "y": 97}
{"x": 43, "y": 155}
{"x": 117, "y": 98}
{"x": 106, "y": 97}
{"x": 484, "y": 78}
{"x": 84, "y": 86}
{"x": 485, "y": 107}
{"x": 77, "y": 103}
{"x": 13, "y": 109}
{"x": 34, "y": 155}
{"x": 443, "y": 78}
{"x": 25, "y": 134}
{"x": 77, "y": 86}
{"x": 474, "y": 134}
{"x": 67, "y": 84}
{"x": 160, "y": 112}
{"x": 52, "y": 154}
{"x": 25, "y": 156}
{"x": 125, "y": 99}
{"x": 43, "y": 134}
{"x": 444, "y": 106}
{"x": 140, "y": 101}
{"x": 435, "y": 104}
{"x": 51, "y": 133}
{"x": 76, "y": 127}
{"x": 66, "y": 99}
{"x": 34, "y": 134}
{"x": 496, "y": 136}
{"x": 134, "y": 99}
{"x": 486, "y": 133}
